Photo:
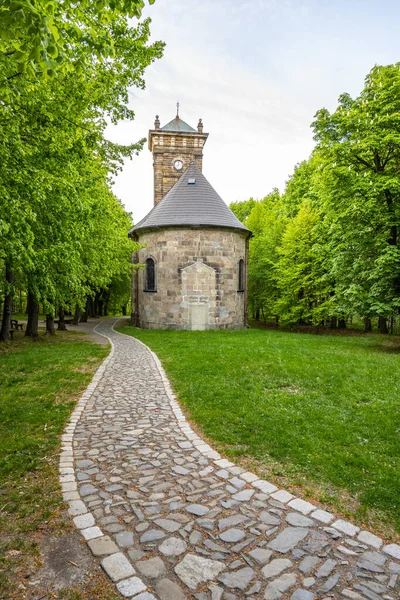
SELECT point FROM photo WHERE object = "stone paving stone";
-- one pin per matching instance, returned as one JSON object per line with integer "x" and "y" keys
{"x": 169, "y": 590}
{"x": 392, "y": 550}
{"x": 299, "y": 520}
{"x": 124, "y": 539}
{"x": 238, "y": 580}
{"x": 261, "y": 555}
{"x": 265, "y": 486}
{"x": 173, "y": 547}
{"x": 323, "y": 516}
{"x": 275, "y": 567}
{"x": 153, "y": 567}
{"x": 197, "y": 509}
{"x": 282, "y": 496}
{"x": 327, "y": 568}
{"x": 288, "y": 539}
{"x": 84, "y": 521}
{"x": 232, "y": 535}
{"x": 302, "y": 595}
{"x": 102, "y": 545}
{"x": 194, "y": 570}
{"x": 346, "y": 527}
{"x": 191, "y": 523}
{"x": 77, "y": 507}
{"x": 330, "y": 583}
{"x": 302, "y": 506}
{"x": 91, "y": 533}
{"x": 276, "y": 588}
{"x": 231, "y": 521}
{"x": 152, "y": 535}
{"x": 309, "y": 563}
{"x": 168, "y": 525}
{"x": 369, "y": 538}
{"x": 131, "y": 587}
{"x": 87, "y": 489}
{"x": 117, "y": 566}
{"x": 346, "y": 593}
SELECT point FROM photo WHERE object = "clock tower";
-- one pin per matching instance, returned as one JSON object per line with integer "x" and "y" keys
{"x": 174, "y": 147}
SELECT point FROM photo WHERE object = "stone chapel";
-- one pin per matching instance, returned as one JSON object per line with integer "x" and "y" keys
{"x": 194, "y": 262}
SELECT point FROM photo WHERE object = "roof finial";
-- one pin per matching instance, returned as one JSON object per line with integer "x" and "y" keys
{"x": 157, "y": 123}
{"x": 177, "y": 110}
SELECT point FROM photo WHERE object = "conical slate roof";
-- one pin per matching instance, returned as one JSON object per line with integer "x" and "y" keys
{"x": 178, "y": 125}
{"x": 191, "y": 201}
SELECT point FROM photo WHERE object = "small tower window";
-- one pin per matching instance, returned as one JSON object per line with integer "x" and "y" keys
{"x": 150, "y": 283}
{"x": 241, "y": 276}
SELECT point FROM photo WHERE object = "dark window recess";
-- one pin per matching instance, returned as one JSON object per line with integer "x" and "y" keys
{"x": 150, "y": 276}
{"x": 241, "y": 276}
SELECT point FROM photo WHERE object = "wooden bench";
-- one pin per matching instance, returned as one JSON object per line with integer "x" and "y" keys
{"x": 15, "y": 325}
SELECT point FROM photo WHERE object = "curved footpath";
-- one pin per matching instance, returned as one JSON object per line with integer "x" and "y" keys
{"x": 170, "y": 519}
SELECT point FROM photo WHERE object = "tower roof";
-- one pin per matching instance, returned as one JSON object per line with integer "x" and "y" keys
{"x": 178, "y": 125}
{"x": 192, "y": 201}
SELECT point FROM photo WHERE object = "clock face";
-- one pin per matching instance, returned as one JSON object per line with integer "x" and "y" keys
{"x": 178, "y": 164}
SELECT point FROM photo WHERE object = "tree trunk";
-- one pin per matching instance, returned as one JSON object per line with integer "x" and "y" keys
{"x": 382, "y": 324}
{"x": 95, "y": 304}
{"x": 342, "y": 324}
{"x": 367, "y": 325}
{"x": 100, "y": 305}
{"x": 6, "y": 322}
{"x": 257, "y": 314}
{"x": 90, "y": 308}
{"x": 33, "y": 317}
{"x": 61, "y": 320}
{"x": 76, "y": 315}
{"x": 85, "y": 314}
{"x": 123, "y": 307}
{"x": 50, "y": 325}
{"x": 334, "y": 323}
{"x": 106, "y": 309}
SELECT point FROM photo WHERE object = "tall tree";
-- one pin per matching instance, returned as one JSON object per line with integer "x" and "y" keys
{"x": 360, "y": 192}
{"x": 54, "y": 176}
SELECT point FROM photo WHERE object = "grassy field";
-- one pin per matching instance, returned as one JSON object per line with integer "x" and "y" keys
{"x": 317, "y": 414}
{"x": 40, "y": 382}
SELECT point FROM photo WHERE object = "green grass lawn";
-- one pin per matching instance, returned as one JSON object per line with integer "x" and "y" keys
{"x": 40, "y": 382}
{"x": 317, "y": 414}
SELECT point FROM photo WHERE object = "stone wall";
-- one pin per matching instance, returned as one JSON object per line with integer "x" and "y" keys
{"x": 197, "y": 279}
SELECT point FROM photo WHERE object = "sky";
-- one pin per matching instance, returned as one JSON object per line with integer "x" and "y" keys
{"x": 256, "y": 72}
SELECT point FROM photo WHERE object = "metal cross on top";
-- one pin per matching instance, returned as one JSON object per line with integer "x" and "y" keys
{"x": 177, "y": 109}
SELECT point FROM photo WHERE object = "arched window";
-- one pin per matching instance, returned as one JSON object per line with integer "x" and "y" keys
{"x": 241, "y": 276}
{"x": 150, "y": 282}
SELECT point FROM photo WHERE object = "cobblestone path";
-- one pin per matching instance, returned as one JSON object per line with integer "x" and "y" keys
{"x": 169, "y": 519}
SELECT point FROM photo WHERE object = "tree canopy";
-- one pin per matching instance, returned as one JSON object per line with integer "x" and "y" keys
{"x": 328, "y": 250}
{"x": 65, "y": 70}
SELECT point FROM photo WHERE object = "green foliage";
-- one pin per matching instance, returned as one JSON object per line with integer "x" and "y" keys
{"x": 267, "y": 225}
{"x": 329, "y": 249}
{"x": 45, "y": 37}
{"x": 62, "y": 231}
{"x": 243, "y": 209}
{"x": 360, "y": 193}
{"x": 300, "y": 283}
